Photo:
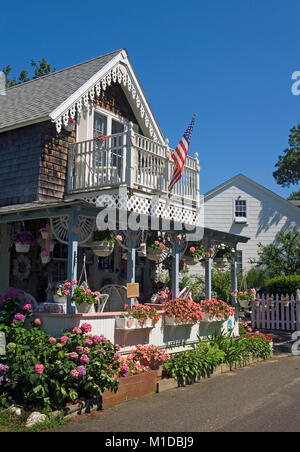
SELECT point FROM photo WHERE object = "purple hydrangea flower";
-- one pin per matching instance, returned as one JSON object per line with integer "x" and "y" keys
{"x": 81, "y": 370}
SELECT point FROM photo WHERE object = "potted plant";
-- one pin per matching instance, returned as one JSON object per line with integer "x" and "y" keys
{"x": 138, "y": 316}
{"x": 45, "y": 257}
{"x": 61, "y": 292}
{"x": 223, "y": 255}
{"x": 23, "y": 241}
{"x": 193, "y": 254}
{"x": 182, "y": 311}
{"x": 149, "y": 356}
{"x": 215, "y": 310}
{"x": 244, "y": 298}
{"x": 103, "y": 243}
{"x": 85, "y": 299}
{"x": 71, "y": 125}
{"x": 155, "y": 249}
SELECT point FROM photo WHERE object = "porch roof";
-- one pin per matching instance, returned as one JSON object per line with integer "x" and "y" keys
{"x": 39, "y": 210}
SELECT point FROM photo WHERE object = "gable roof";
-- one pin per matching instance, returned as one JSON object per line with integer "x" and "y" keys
{"x": 245, "y": 179}
{"x": 57, "y": 96}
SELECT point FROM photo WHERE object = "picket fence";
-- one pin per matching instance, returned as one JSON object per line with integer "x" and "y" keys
{"x": 276, "y": 313}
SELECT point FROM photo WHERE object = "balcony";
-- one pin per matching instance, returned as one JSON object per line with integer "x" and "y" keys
{"x": 131, "y": 160}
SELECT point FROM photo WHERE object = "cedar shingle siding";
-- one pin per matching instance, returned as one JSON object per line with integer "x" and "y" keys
{"x": 20, "y": 152}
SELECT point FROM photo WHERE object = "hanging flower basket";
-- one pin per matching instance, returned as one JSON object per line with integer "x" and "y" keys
{"x": 220, "y": 262}
{"x": 45, "y": 257}
{"x": 22, "y": 247}
{"x": 154, "y": 255}
{"x": 70, "y": 126}
{"x": 102, "y": 249}
{"x": 188, "y": 260}
{"x": 244, "y": 304}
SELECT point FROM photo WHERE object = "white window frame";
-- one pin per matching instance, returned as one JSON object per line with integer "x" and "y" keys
{"x": 109, "y": 118}
{"x": 238, "y": 218}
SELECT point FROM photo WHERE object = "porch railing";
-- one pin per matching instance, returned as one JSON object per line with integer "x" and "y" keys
{"x": 130, "y": 159}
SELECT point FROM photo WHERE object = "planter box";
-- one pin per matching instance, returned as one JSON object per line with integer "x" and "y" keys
{"x": 171, "y": 321}
{"x": 125, "y": 323}
{"x": 208, "y": 319}
{"x": 131, "y": 388}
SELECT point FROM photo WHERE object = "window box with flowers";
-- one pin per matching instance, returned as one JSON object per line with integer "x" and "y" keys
{"x": 23, "y": 241}
{"x": 103, "y": 243}
{"x": 244, "y": 298}
{"x": 149, "y": 356}
{"x": 181, "y": 311}
{"x": 137, "y": 316}
{"x": 215, "y": 310}
{"x": 193, "y": 254}
{"x": 155, "y": 249}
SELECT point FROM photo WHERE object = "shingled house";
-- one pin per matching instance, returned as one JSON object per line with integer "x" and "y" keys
{"x": 65, "y": 139}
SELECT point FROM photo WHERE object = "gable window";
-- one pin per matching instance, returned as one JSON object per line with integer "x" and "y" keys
{"x": 240, "y": 211}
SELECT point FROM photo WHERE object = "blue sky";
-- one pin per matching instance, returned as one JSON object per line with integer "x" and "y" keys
{"x": 230, "y": 61}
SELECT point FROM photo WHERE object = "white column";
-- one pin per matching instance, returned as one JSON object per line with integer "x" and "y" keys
{"x": 4, "y": 258}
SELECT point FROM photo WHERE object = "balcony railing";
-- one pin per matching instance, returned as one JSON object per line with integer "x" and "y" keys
{"x": 128, "y": 159}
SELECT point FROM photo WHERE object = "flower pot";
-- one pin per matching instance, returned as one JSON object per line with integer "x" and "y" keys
{"x": 70, "y": 127}
{"x": 45, "y": 260}
{"x": 189, "y": 260}
{"x": 124, "y": 256}
{"x": 220, "y": 262}
{"x": 85, "y": 308}
{"x": 102, "y": 249}
{"x": 44, "y": 234}
{"x": 154, "y": 255}
{"x": 58, "y": 299}
{"x": 148, "y": 323}
{"x": 22, "y": 247}
{"x": 126, "y": 323}
{"x": 244, "y": 303}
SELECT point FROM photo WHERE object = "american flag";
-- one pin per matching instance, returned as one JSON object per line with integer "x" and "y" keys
{"x": 180, "y": 154}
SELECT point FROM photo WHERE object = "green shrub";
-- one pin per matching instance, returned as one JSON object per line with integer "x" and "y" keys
{"x": 256, "y": 278}
{"x": 284, "y": 285}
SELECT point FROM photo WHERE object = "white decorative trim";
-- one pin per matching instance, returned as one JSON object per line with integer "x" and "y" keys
{"x": 113, "y": 72}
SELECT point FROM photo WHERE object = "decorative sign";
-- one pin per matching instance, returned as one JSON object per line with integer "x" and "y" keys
{"x": 229, "y": 325}
{"x": 2, "y": 344}
{"x": 133, "y": 290}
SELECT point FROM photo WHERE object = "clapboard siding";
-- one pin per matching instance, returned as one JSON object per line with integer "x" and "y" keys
{"x": 267, "y": 215}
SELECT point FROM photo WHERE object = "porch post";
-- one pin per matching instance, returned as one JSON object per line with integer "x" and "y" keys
{"x": 131, "y": 259}
{"x": 208, "y": 267}
{"x": 175, "y": 270}
{"x": 234, "y": 285}
{"x": 72, "y": 255}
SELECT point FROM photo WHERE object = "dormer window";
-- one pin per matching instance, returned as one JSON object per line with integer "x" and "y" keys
{"x": 240, "y": 214}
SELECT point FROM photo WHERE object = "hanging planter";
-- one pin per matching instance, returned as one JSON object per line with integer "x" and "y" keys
{"x": 220, "y": 262}
{"x": 193, "y": 254}
{"x": 102, "y": 249}
{"x": 70, "y": 126}
{"x": 45, "y": 257}
{"x": 154, "y": 255}
{"x": 22, "y": 248}
{"x": 23, "y": 241}
{"x": 188, "y": 260}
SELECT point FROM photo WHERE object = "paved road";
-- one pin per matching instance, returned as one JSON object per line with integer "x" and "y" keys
{"x": 264, "y": 397}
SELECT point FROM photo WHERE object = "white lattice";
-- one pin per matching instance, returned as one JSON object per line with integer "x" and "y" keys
{"x": 118, "y": 74}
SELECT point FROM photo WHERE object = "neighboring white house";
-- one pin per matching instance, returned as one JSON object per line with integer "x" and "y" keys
{"x": 242, "y": 206}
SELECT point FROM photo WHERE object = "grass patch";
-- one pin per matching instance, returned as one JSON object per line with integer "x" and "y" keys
{"x": 12, "y": 423}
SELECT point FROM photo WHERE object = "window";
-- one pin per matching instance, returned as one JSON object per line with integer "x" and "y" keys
{"x": 239, "y": 261}
{"x": 241, "y": 208}
{"x": 60, "y": 262}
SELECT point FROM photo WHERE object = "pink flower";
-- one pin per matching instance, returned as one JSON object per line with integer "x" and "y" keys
{"x": 79, "y": 349}
{"x": 39, "y": 369}
{"x": 73, "y": 355}
{"x": 97, "y": 294}
{"x": 156, "y": 242}
{"x": 76, "y": 330}
{"x": 192, "y": 249}
{"x": 52, "y": 340}
{"x": 38, "y": 322}
{"x": 26, "y": 307}
{"x": 64, "y": 339}
{"x": 86, "y": 327}
{"x": 74, "y": 281}
{"x": 89, "y": 342}
{"x": 84, "y": 359}
{"x": 74, "y": 373}
{"x": 96, "y": 340}
{"x": 119, "y": 238}
{"x": 19, "y": 318}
